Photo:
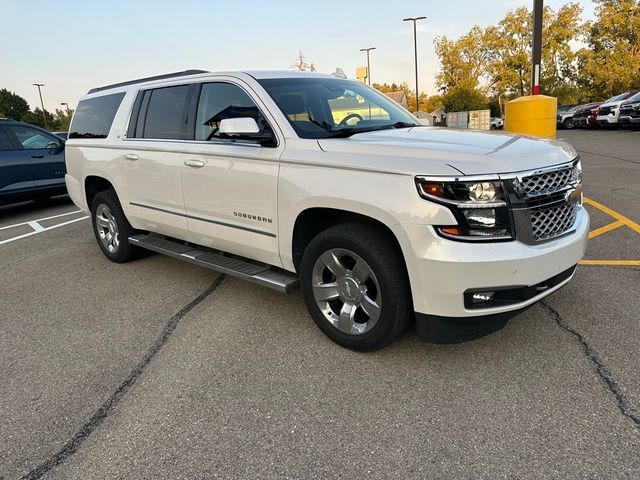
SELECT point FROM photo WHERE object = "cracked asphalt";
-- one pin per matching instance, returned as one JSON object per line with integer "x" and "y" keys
{"x": 159, "y": 369}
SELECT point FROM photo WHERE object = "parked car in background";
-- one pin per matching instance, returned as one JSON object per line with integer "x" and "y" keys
{"x": 496, "y": 123}
{"x": 32, "y": 163}
{"x": 609, "y": 110}
{"x": 62, "y": 135}
{"x": 585, "y": 115}
{"x": 565, "y": 116}
{"x": 630, "y": 111}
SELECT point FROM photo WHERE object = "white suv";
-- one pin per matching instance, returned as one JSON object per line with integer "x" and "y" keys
{"x": 609, "y": 111}
{"x": 291, "y": 179}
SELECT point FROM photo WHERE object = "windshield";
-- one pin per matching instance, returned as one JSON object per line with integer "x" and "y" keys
{"x": 331, "y": 108}
{"x": 622, "y": 96}
{"x": 635, "y": 98}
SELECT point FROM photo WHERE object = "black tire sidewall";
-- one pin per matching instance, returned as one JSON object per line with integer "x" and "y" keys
{"x": 125, "y": 251}
{"x": 392, "y": 280}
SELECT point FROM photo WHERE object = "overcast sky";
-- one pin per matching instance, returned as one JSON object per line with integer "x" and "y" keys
{"x": 72, "y": 46}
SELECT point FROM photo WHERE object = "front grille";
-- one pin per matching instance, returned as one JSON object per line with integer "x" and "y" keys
{"x": 549, "y": 182}
{"x": 547, "y": 222}
{"x": 604, "y": 110}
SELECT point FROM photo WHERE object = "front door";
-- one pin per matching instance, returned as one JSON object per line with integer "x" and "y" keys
{"x": 45, "y": 153}
{"x": 230, "y": 187}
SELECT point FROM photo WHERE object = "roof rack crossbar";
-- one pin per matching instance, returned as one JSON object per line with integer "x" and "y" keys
{"x": 147, "y": 79}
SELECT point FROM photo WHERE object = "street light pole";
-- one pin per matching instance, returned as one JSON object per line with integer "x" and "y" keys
{"x": 44, "y": 116}
{"x": 536, "y": 50}
{"x": 66, "y": 105}
{"x": 415, "y": 48}
{"x": 368, "y": 64}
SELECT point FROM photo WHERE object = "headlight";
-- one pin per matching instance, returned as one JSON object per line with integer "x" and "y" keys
{"x": 479, "y": 208}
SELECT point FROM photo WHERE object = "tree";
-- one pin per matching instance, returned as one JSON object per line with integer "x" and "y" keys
{"x": 459, "y": 99}
{"x": 12, "y": 106}
{"x": 35, "y": 118}
{"x": 496, "y": 60}
{"x": 301, "y": 64}
{"x": 611, "y": 64}
{"x": 464, "y": 62}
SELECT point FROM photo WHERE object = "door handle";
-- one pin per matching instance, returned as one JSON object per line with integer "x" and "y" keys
{"x": 194, "y": 163}
{"x": 131, "y": 156}
{"x": 37, "y": 156}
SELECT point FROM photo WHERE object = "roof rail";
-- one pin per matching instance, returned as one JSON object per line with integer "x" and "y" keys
{"x": 147, "y": 79}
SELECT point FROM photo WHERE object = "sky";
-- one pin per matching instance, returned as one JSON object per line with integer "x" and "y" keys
{"x": 72, "y": 46}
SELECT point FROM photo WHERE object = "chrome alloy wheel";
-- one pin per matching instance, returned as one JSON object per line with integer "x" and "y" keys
{"x": 107, "y": 228}
{"x": 346, "y": 291}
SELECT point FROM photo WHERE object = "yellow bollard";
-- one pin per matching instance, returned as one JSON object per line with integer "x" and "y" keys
{"x": 532, "y": 115}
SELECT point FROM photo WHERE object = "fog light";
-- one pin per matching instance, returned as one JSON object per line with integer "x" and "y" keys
{"x": 482, "y": 297}
{"x": 485, "y": 217}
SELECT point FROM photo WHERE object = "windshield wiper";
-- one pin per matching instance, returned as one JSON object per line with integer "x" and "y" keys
{"x": 347, "y": 132}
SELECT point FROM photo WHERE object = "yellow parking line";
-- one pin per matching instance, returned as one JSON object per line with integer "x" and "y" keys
{"x": 627, "y": 221}
{"x": 627, "y": 263}
{"x": 605, "y": 229}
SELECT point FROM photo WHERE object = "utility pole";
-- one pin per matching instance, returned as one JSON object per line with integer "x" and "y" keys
{"x": 368, "y": 64}
{"x": 66, "y": 105}
{"x": 536, "y": 53}
{"x": 415, "y": 49}
{"x": 44, "y": 116}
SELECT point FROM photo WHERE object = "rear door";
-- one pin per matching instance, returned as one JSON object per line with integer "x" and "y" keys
{"x": 151, "y": 163}
{"x": 15, "y": 171}
{"x": 45, "y": 154}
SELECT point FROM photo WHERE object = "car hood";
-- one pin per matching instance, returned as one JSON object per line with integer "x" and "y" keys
{"x": 441, "y": 151}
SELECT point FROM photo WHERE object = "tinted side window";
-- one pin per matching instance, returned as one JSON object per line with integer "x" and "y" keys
{"x": 223, "y": 100}
{"x": 33, "y": 139}
{"x": 5, "y": 142}
{"x": 94, "y": 116}
{"x": 164, "y": 113}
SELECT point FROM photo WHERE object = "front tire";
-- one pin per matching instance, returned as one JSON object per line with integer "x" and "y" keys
{"x": 355, "y": 285}
{"x": 568, "y": 124}
{"x": 111, "y": 228}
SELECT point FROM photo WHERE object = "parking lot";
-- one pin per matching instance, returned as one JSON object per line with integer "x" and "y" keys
{"x": 159, "y": 369}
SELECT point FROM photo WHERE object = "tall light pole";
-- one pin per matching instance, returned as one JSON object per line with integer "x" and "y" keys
{"x": 536, "y": 50}
{"x": 368, "y": 64}
{"x": 42, "y": 103}
{"x": 415, "y": 47}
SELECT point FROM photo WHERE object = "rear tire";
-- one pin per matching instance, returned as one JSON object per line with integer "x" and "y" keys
{"x": 112, "y": 229}
{"x": 355, "y": 285}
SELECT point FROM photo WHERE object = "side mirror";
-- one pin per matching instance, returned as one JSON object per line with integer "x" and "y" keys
{"x": 245, "y": 128}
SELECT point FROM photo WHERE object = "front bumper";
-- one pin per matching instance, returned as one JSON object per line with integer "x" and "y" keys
{"x": 627, "y": 120}
{"x": 607, "y": 119}
{"x": 442, "y": 270}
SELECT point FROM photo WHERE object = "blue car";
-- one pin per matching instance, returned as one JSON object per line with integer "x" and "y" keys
{"x": 31, "y": 163}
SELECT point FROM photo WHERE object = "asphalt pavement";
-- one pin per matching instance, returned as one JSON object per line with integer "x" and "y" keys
{"x": 159, "y": 369}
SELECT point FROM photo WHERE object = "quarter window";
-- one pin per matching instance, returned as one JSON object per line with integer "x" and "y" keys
{"x": 164, "y": 114}
{"x": 219, "y": 101}
{"x": 94, "y": 116}
{"x": 32, "y": 139}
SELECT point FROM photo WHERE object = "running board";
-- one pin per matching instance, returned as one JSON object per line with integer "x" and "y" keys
{"x": 279, "y": 280}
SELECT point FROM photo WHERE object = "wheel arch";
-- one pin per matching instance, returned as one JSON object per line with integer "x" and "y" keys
{"x": 311, "y": 221}
{"x": 94, "y": 184}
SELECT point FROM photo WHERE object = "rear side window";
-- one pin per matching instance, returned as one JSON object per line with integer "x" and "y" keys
{"x": 161, "y": 113}
{"x": 94, "y": 116}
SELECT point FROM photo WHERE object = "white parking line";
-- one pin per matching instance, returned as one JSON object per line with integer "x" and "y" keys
{"x": 42, "y": 229}
{"x": 40, "y": 219}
